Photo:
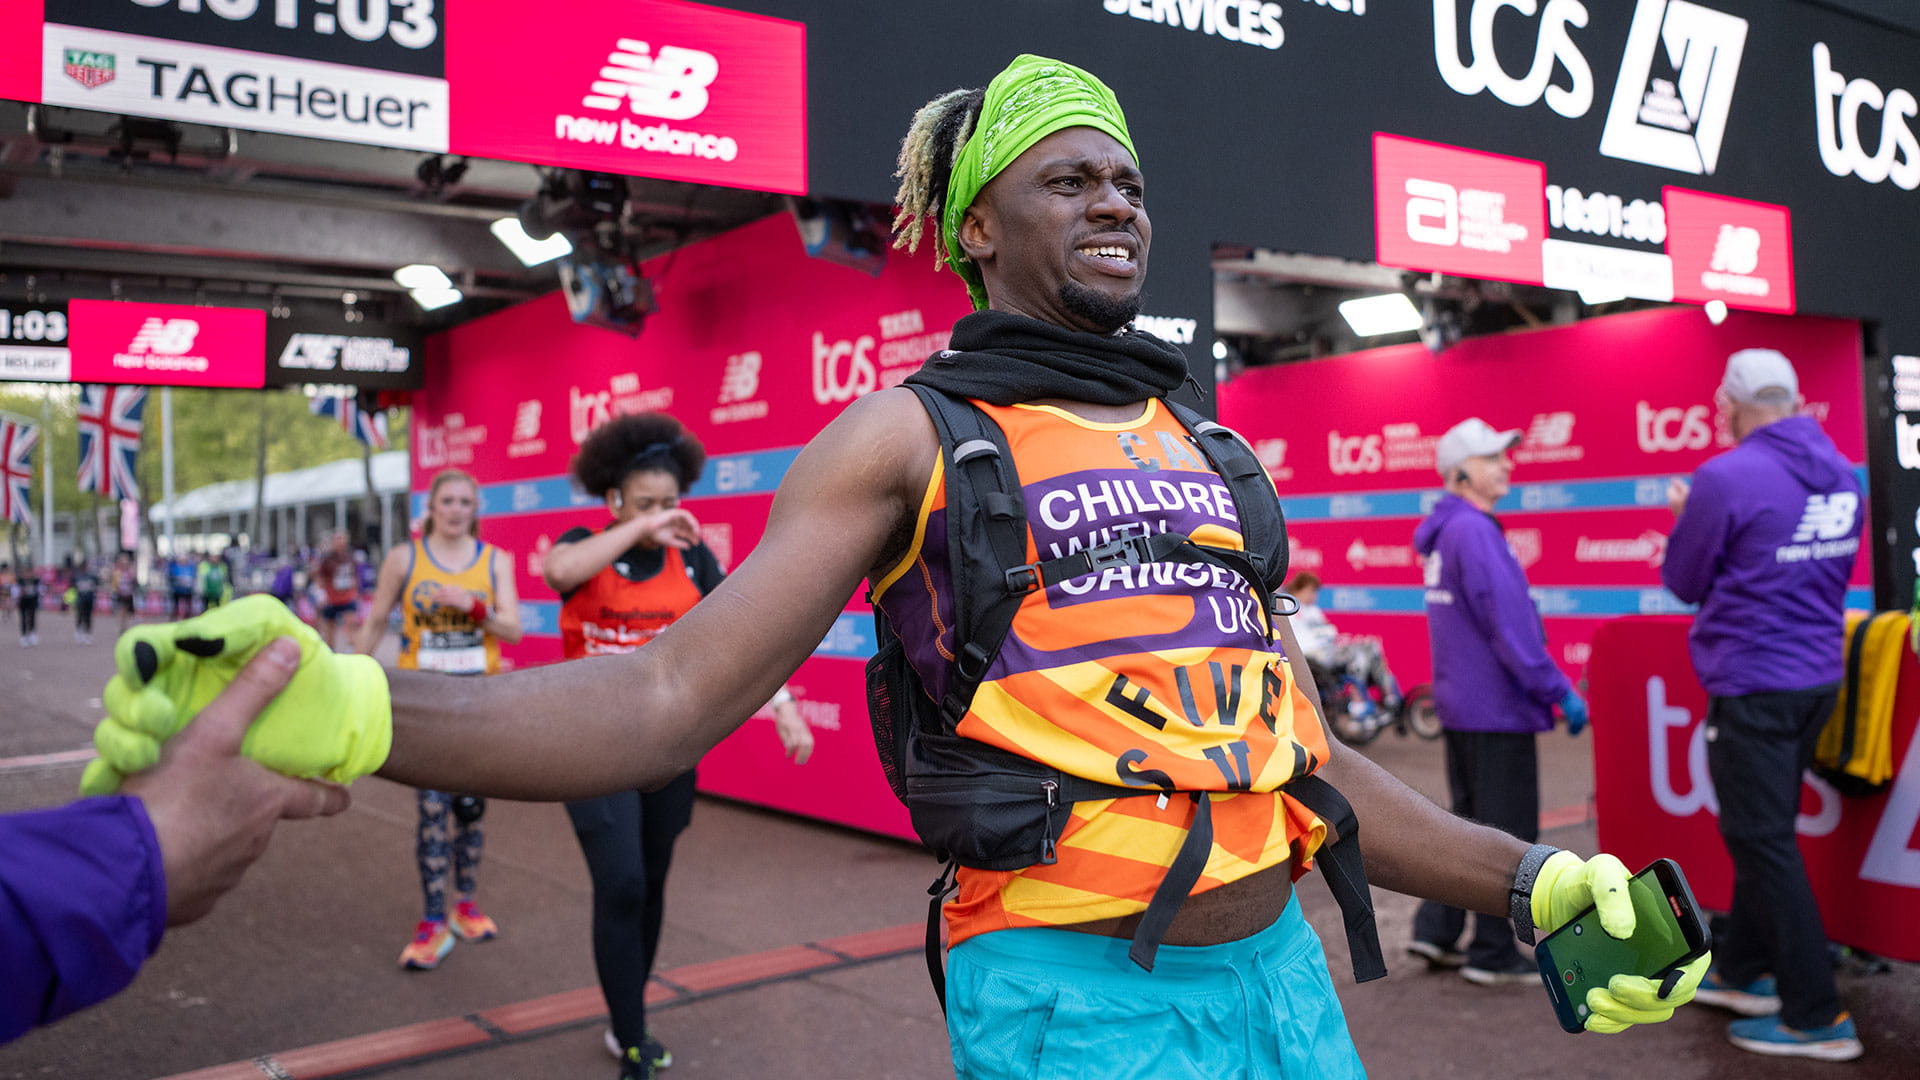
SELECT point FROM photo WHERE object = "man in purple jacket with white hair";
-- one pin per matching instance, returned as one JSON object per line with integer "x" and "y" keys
{"x": 1766, "y": 537}
{"x": 1494, "y": 685}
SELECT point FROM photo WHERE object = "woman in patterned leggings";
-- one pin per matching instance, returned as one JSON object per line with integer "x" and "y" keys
{"x": 458, "y": 603}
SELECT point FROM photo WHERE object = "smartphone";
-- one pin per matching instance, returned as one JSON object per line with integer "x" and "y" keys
{"x": 1668, "y": 931}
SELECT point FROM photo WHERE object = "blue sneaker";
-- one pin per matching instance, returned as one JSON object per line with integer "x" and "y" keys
{"x": 1761, "y": 997}
{"x": 1767, "y": 1035}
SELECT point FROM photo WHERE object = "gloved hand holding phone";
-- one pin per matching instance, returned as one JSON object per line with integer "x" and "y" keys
{"x": 1567, "y": 885}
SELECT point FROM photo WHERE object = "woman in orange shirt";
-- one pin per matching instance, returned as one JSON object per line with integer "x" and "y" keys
{"x": 619, "y": 588}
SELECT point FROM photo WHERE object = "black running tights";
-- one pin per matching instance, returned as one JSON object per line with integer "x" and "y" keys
{"x": 628, "y": 841}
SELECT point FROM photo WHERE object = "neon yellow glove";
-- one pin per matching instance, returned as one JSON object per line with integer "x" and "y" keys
{"x": 334, "y": 720}
{"x": 1564, "y": 887}
{"x": 1629, "y": 999}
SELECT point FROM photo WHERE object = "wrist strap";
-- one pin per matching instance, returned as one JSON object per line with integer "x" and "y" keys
{"x": 478, "y": 612}
{"x": 1520, "y": 897}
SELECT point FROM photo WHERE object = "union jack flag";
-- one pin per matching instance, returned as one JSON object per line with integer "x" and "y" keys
{"x": 16, "y": 472}
{"x": 110, "y": 419}
{"x": 367, "y": 425}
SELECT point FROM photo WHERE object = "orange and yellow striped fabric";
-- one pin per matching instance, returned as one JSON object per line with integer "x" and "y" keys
{"x": 1158, "y": 676}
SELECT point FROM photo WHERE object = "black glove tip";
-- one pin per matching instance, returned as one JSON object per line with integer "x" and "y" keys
{"x": 1667, "y": 984}
{"x": 146, "y": 661}
{"x": 201, "y": 647}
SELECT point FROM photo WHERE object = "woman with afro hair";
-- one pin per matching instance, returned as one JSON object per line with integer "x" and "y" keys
{"x": 619, "y": 587}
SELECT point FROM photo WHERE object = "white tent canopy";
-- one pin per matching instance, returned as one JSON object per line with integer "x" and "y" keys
{"x": 318, "y": 485}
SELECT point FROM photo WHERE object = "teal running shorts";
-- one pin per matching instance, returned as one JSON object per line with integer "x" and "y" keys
{"x": 1043, "y": 1004}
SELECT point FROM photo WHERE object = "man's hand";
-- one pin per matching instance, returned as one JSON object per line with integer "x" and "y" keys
{"x": 796, "y": 737}
{"x": 1677, "y": 491}
{"x": 1565, "y": 887}
{"x": 212, "y": 809}
{"x": 333, "y": 721}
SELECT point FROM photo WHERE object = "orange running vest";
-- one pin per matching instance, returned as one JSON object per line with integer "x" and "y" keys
{"x": 443, "y": 639}
{"x": 610, "y": 614}
{"x": 1155, "y": 671}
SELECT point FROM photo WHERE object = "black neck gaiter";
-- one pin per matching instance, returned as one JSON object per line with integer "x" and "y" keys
{"x": 1004, "y": 359}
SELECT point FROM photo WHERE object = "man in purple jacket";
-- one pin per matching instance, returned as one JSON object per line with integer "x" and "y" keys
{"x": 86, "y": 889}
{"x": 1494, "y": 685}
{"x": 1766, "y": 537}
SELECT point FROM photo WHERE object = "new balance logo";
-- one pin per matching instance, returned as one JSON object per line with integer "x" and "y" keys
{"x": 526, "y": 420}
{"x": 1550, "y": 430}
{"x": 1736, "y": 250}
{"x": 1827, "y": 517}
{"x": 1675, "y": 122}
{"x": 670, "y": 84}
{"x": 164, "y": 337}
{"x": 742, "y": 379}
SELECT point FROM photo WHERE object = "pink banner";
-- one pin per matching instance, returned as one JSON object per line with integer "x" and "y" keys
{"x": 167, "y": 344}
{"x": 1736, "y": 251}
{"x": 1609, "y": 409}
{"x": 1457, "y": 211}
{"x": 1654, "y": 797}
{"x": 649, "y": 87}
{"x": 20, "y": 28}
{"x": 756, "y": 347}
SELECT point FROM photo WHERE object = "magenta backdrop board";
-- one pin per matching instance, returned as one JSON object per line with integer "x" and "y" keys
{"x": 756, "y": 347}
{"x": 1611, "y": 408}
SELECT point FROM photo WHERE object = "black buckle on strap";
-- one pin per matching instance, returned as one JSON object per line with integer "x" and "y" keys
{"x": 1023, "y": 578}
{"x": 1125, "y": 551}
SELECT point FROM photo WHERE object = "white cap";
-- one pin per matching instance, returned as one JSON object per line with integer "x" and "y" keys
{"x": 1760, "y": 375}
{"x": 1472, "y": 437}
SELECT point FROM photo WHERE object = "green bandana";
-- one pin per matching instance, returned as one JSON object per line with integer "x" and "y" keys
{"x": 1033, "y": 98}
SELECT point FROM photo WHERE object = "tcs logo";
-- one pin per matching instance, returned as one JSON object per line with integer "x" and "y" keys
{"x": 1354, "y": 455}
{"x": 1672, "y": 429}
{"x": 1838, "y": 103}
{"x": 842, "y": 370}
{"x": 670, "y": 84}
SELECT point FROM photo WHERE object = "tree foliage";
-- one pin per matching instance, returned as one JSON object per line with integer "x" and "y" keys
{"x": 215, "y": 438}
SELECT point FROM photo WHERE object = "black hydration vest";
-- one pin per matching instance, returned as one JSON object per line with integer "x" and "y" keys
{"x": 980, "y": 806}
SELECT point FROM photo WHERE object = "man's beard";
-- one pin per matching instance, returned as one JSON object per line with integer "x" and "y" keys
{"x": 1109, "y": 313}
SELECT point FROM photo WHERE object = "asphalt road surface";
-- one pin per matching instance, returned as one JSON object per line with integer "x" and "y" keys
{"x": 791, "y": 949}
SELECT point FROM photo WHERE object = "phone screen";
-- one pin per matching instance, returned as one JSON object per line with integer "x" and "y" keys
{"x": 1582, "y": 955}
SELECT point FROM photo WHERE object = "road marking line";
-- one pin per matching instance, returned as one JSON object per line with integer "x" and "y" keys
{"x": 517, "y": 1022}
{"x": 43, "y": 761}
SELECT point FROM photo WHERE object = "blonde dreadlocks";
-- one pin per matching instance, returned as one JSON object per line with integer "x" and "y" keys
{"x": 939, "y": 130}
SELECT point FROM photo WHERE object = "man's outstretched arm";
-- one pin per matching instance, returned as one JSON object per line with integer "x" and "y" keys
{"x": 1412, "y": 846}
{"x": 637, "y": 720}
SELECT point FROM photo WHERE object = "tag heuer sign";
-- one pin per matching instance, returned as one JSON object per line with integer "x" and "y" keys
{"x": 89, "y": 69}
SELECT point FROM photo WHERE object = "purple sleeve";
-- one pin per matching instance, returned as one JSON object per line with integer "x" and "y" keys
{"x": 83, "y": 903}
{"x": 1698, "y": 541}
{"x": 1497, "y": 592}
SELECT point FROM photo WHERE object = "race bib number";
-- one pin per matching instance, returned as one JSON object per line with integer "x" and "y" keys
{"x": 467, "y": 661}
{"x": 453, "y": 654}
